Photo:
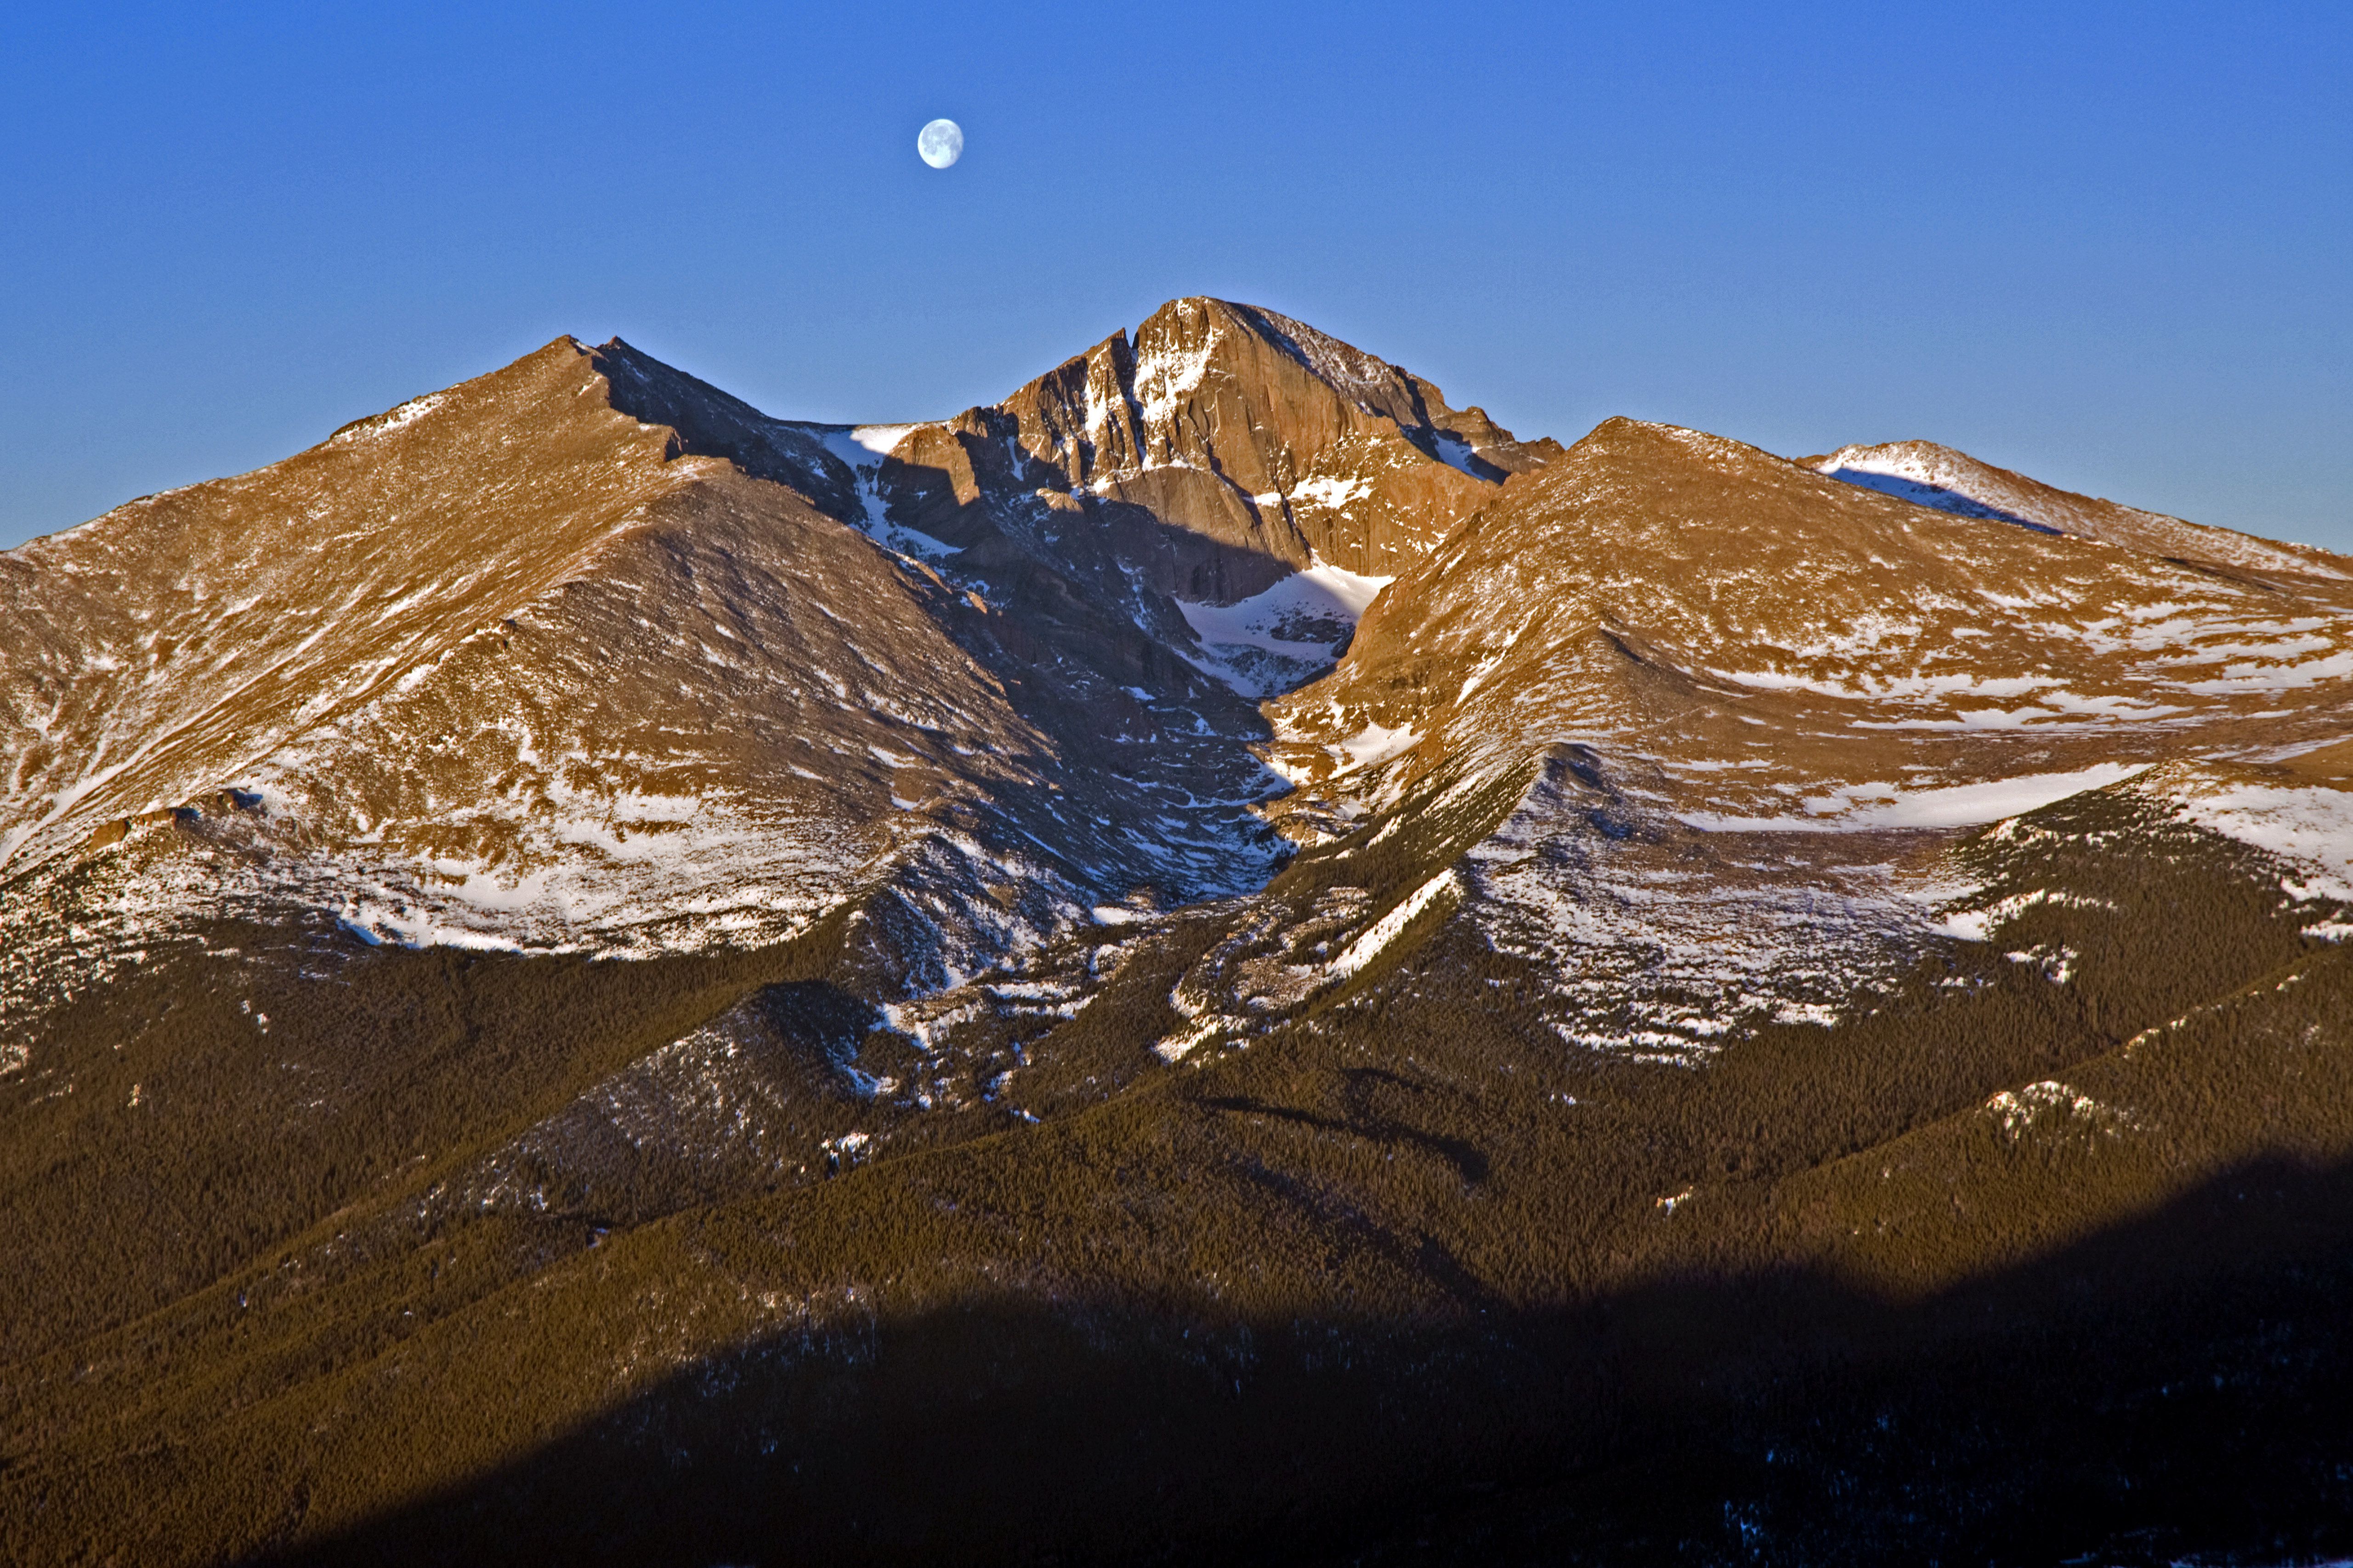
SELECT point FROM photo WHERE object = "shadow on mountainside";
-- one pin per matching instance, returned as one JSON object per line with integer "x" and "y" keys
{"x": 1310, "y": 1297}
{"x": 959, "y": 500}
{"x": 1069, "y": 605}
{"x": 2177, "y": 1384}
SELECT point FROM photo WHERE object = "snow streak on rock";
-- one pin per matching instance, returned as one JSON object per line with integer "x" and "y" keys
{"x": 1667, "y": 941}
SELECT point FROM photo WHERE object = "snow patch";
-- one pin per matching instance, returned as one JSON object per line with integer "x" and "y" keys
{"x": 1978, "y": 925}
{"x": 1956, "y": 805}
{"x": 882, "y": 439}
{"x": 1385, "y": 930}
{"x": 406, "y": 926}
{"x": 408, "y": 413}
{"x": 1332, "y": 493}
{"x": 1457, "y": 454}
{"x": 2309, "y": 827}
{"x": 1163, "y": 378}
{"x": 2041, "y": 1104}
{"x": 861, "y": 448}
{"x": 1375, "y": 744}
{"x": 1285, "y": 636}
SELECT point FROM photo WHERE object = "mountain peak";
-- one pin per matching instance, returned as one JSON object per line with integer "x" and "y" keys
{"x": 1260, "y": 435}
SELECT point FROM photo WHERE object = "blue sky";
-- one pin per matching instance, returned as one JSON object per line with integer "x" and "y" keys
{"x": 2110, "y": 246}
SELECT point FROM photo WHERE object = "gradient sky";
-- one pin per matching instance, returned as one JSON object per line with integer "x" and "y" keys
{"x": 2110, "y": 246}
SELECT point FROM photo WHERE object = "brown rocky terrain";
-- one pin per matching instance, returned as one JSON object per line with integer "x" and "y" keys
{"x": 537, "y": 654}
{"x": 1217, "y": 960}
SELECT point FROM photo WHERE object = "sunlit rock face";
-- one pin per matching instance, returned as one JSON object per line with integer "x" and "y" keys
{"x": 1205, "y": 453}
{"x": 587, "y": 655}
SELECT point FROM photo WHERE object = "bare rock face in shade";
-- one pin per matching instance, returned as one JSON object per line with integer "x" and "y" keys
{"x": 1220, "y": 957}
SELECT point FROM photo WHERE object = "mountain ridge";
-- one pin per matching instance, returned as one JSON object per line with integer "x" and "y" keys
{"x": 1947, "y": 480}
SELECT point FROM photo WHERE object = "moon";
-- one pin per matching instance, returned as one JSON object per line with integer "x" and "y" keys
{"x": 940, "y": 142}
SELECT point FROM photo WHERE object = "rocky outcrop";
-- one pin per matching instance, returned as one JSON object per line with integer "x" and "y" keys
{"x": 1221, "y": 448}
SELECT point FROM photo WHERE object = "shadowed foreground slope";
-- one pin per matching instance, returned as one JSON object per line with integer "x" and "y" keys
{"x": 1390, "y": 1261}
{"x": 2033, "y": 1416}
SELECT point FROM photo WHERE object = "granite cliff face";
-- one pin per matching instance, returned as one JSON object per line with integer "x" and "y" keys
{"x": 582, "y": 963}
{"x": 1262, "y": 435}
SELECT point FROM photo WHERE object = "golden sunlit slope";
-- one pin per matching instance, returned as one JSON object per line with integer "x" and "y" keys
{"x": 159, "y": 649}
{"x": 1737, "y": 703}
{"x": 1760, "y": 636}
{"x": 502, "y": 667}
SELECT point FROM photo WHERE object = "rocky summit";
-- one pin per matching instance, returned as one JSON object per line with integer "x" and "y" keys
{"x": 1220, "y": 959}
